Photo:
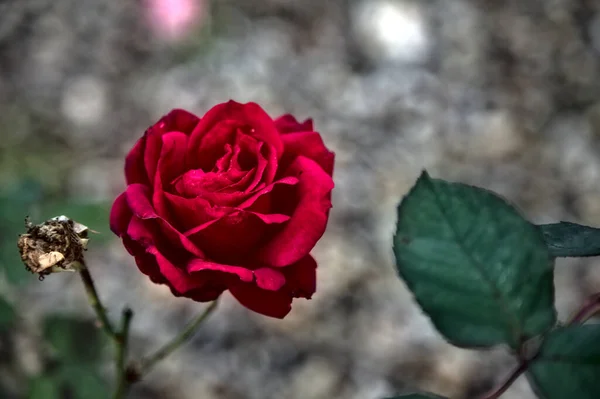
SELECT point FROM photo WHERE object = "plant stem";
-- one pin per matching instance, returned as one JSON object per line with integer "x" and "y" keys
{"x": 589, "y": 309}
{"x": 149, "y": 362}
{"x": 94, "y": 300}
{"x": 501, "y": 389}
{"x": 120, "y": 338}
{"x": 122, "y": 383}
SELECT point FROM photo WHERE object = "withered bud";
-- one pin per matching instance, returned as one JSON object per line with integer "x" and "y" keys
{"x": 57, "y": 245}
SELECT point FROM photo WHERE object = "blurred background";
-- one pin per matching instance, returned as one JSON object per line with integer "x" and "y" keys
{"x": 503, "y": 94}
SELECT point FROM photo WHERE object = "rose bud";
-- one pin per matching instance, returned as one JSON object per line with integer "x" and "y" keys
{"x": 233, "y": 201}
{"x": 57, "y": 245}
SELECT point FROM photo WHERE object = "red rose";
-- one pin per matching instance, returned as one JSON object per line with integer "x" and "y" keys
{"x": 231, "y": 201}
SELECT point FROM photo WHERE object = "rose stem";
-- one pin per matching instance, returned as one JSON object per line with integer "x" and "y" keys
{"x": 150, "y": 361}
{"x": 501, "y": 389}
{"x": 589, "y": 309}
{"x": 120, "y": 338}
{"x": 121, "y": 357}
{"x": 94, "y": 300}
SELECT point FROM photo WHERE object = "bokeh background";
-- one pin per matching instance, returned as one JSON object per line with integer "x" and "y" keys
{"x": 503, "y": 94}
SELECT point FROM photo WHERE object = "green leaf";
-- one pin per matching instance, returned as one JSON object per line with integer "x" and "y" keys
{"x": 478, "y": 269}
{"x": 75, "y": 341}
{"x": 571, "y": 239}
{"x": 44, "y": 387}
{"x": 568, "y": 364}
{"x": 7, "y": 315}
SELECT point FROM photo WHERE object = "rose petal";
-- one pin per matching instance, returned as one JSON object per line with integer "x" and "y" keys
{"x": 171, "y": 162}
{"x": 141, "y": 161}
{"x": 251, "y": 115}
{"x": 267, "y": 219}
{"x": 204, "y": 153}
{"x": 207, "y": 293}
{"x": 301, "y": 277}
{"x": 145, "y": 261}
{"x": 178, "y": 278}
{"x": 223, "y": 188}
{"x": 267, "y": 153}
{"x": 143, "y": 241}
{"x": 120, "y": 215}
{"x": 197, "y": 265}
{"x": 308, "y": 144}
{"x": 288, "y": 124}
{"x": 300, "y": 281}
{"x": 289, "y": 180}
{"x": 208, "y": 286}
{"x": 153, "y": 148}
{"x": 135, "y": 171}
{"x": 250, "y": 158}
{"x": 139, "y": 232}
{"x": 249, "y": 149}
{"x": 309, "y": 219}
{"x": 179, "y": 120}
{"x": 234, "y": 163}
{"x": 190, "y": 184}
{"x": 189, "y": 213}
{"x": 262, "y": 201}
{"x": 269, "y": 303}
{"x": 170, "y": 165}
{"x": 269, "y": 279}
{"x": 224, "y": 163}
{"x": 139, "y": 203}
{"x": 196, "y": 182}
{"x": 233, "y": 186}
{"x": 234, "y": 238}
{"x": 271, "y": 218}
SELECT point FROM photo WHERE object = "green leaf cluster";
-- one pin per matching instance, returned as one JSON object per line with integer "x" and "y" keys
{"x": 484, "y": 275}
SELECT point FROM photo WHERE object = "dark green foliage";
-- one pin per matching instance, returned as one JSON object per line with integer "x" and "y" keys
{"x": 570, "y": 239}
{"x": 568, "y": 365}
{"x": 478, "y": 269}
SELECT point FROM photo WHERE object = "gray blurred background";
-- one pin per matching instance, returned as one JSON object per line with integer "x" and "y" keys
{"x": 503, "y": 94}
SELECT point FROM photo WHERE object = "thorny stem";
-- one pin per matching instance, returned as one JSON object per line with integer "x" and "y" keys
{"x": 150, "y": 361}
{"x": 122, "y": 383}
{"x": 589, "y": 309}
{"x": 501, "y": 389}
{"x": 94, "y": 300}
{"x": 120, "y": 338}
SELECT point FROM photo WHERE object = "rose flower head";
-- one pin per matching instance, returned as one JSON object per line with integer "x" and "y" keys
{"x": 234, "y": 201}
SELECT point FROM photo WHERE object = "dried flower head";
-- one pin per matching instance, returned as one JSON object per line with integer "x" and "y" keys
{"x": 56, "y": 245}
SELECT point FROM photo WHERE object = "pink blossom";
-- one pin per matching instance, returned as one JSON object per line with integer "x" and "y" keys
{"x": 173, "y": 20}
